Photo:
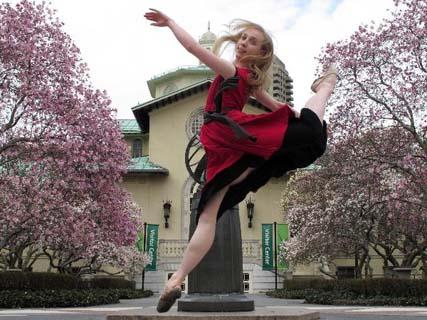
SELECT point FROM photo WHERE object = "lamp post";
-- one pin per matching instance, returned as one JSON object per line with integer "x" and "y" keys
{"x": 250, "y": 207}
{"x": 166, "y": 211}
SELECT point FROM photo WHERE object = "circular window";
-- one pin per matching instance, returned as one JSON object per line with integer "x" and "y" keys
{"x": 194, "y": 122}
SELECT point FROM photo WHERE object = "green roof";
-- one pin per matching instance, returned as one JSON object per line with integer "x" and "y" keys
{"x": 129, "y": 126}
{"x": 196, "y": 68}
{"x": 183, "y": 70}
{"x": 144, "y": 165}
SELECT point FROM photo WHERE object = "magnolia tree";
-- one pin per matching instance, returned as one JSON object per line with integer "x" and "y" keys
{"x": 100, "y": 257}
{"x": 383, "y": 83}
{"x": 125, "y": 259}
{"x": 371, "y": 192}
{"x": 61, "y": 151}
{"x": 353, "y": 206}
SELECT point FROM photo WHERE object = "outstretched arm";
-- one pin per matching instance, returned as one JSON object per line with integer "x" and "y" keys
{"x": 220, "y": 66}
{"x": 264, "y": 98}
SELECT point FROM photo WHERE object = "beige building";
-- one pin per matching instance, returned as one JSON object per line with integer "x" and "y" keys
{"x": 158, "y": 137}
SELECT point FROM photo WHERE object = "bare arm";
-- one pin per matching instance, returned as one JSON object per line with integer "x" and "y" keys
{"x": 264, "y": 98}
{"x": 220, "y": 66}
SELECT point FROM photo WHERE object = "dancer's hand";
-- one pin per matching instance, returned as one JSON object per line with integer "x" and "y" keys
{"x": 159, "y": 18}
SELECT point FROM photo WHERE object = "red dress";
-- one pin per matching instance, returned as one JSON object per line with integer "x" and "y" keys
{"x": 274, "y": 143}
{"x": 222, "y": 147}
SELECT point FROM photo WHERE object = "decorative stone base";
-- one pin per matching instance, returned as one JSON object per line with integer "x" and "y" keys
{"x": 215, "y": 303}
{"x": 259, "y": 314}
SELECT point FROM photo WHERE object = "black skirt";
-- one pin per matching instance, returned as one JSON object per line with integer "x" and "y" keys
{"x": 304, "y": 141}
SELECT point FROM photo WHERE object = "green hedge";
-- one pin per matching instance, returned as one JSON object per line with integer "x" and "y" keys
{"x": 351, "y": 298}
{"x": 133, "y": 294}
{"x": 45, "y": 289}
{"x": 366, "y": 287}
{"x": 56, "y": 298}
{"x": 289, "y": 294}
{"x": 381, "y": 291}
{"x": 49, "y": 280}
{"x": 309, "y": 284}
{"x": 66, "y": 298}
{"x": 343, "y": 297}
{"x": 107, "y": 283}
{"x": 38, "y": 281}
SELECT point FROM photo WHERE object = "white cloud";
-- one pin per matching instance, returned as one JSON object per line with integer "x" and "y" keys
{"x": 123, "y": 51}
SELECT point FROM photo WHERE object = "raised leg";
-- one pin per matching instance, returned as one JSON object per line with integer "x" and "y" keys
{"x": 324, "y": 89}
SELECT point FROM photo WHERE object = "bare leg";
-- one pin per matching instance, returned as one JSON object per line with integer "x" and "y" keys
{"x": 317, "y": 103}
{"x": 203, "y": 237}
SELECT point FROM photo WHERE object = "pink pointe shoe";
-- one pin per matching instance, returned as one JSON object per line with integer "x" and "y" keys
{"x": 330, "y": 77}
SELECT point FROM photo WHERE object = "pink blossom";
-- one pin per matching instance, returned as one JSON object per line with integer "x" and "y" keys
{"x": 61, "y": 152}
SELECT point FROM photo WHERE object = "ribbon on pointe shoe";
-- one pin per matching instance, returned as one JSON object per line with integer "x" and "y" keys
{"x": 332, "y": 70}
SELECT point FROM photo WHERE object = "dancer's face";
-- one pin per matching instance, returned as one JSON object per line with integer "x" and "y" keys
{"x": 250, "y": 43}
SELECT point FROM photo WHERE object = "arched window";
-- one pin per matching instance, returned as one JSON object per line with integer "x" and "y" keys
{"x": 194, "y": 122}
{"x": 137, "y": 148}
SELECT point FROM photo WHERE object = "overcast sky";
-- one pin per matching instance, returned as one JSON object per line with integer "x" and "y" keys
{"x": 123, "y": 50}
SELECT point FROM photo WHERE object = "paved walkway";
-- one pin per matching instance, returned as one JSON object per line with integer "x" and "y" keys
{"x": 261, "y": 301}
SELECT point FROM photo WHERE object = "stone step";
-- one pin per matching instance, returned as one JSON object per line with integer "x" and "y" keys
{"x": 260, "y": 313}
{"x": 232, "y": 302}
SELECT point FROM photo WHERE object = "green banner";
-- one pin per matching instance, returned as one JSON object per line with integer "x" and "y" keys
{"x": 282, "y": 234}
{"x": 267, "y": 246}
{"x": 152, "y": 238}
{"x": 140, "y": 242}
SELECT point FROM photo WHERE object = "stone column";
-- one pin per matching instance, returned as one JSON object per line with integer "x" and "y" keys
{"x": 216, "y": 284}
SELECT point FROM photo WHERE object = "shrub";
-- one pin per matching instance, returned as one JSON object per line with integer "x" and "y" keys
{"x": 56, "y": 298}
{"x": 381, "y": 291}
{"x": 45, "y": 289}
{"x": 367, "y": 287}
{"x": 110, "y": 283}
{"x": 66, "y": 298}
{"x": 133, "y": 294}
{"x": 309, "y": 284}
{"x": 50, "y": 280}
{"x": 343, "y": 298}
{"x": 289, "y": 294}
{"x": 38, "y": 281}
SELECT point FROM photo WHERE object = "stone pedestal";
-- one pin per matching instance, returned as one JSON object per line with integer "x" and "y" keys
{"x": 261, "y": 314}
{"x": 216, "y": 284}
{"x": 215, "y": 303}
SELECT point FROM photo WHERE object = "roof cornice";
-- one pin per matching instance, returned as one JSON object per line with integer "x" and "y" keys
{"x": 142, "y": 110}
{"x": 180, "y": 71}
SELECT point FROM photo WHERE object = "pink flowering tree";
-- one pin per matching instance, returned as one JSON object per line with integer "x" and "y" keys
{"x": 61, "y": 151}
{"x": 353, "y": 206}
{"x": 370, "y": 194}
{"x": 124, "y": 259}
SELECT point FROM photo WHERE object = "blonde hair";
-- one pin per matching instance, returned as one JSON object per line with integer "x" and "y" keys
{"x": 259, "y": 65}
